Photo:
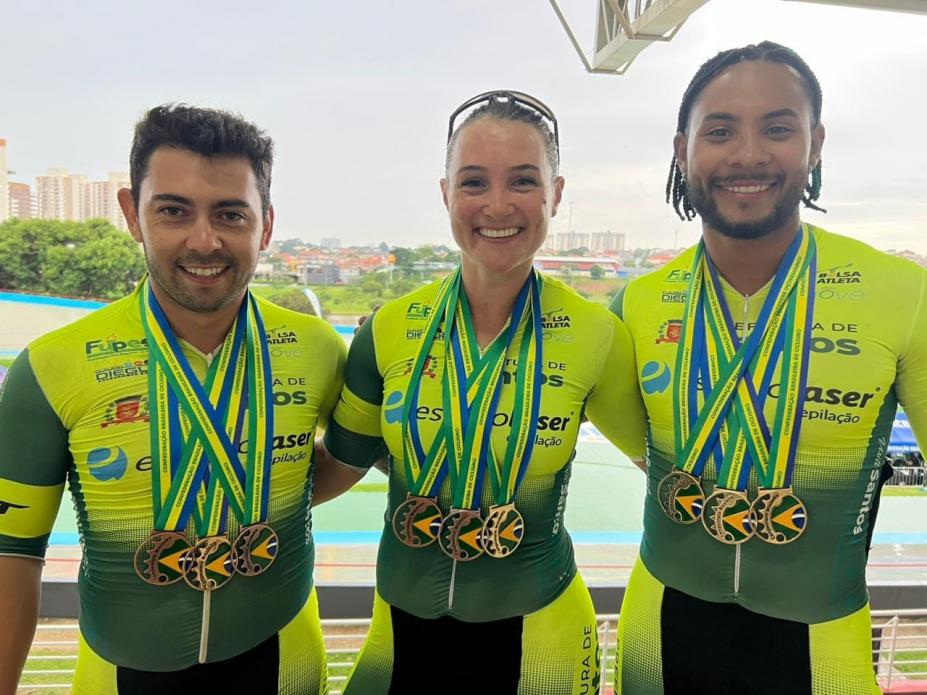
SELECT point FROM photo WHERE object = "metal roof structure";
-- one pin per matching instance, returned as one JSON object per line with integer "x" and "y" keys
{"x": 624, "y": 28}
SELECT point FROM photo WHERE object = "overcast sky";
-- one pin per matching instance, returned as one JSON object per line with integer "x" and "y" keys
{"x": 356, "y": 96}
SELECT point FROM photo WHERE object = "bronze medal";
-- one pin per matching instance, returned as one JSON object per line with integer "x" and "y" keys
{"x": 778, "y": 516}
{"x": 459, "y": 536}
{"x": 681, "y": 497}
{"x": 161, "y": 559}
{"x": 254, "y": 550}
{"x": 210, "y": 564}
{"x": 417, "y": 521}
{"x": 727, "y": 516}
{"x": 502, "y": 531}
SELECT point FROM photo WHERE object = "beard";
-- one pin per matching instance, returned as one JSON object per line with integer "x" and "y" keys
{"x": 782, "y": 211}
{"x": 203, "y": 302}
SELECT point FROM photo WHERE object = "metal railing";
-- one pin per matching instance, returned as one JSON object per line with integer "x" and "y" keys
{"x": 899, "y": 649}
{"x": 908, "y": 475}
{"x": 899, "y": 646}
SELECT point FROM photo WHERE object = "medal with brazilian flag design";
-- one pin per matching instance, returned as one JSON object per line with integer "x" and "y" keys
{"x": 196, "y": 474}
{"x": 504, "y": 525}
{"x": 462, "y": 451}
{"x": 719, "y": 396}
{"x": 471, "y": 388}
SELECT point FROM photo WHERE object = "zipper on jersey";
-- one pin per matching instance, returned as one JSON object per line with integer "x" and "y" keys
{"x": 207, "y": 595}
{"x": 204, "y": 629}
{"x": 450, "y": 588}
{"x": 743, "y": 338}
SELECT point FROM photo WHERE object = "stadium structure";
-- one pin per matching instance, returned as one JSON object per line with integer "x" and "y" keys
{"x": 624, "y": 28}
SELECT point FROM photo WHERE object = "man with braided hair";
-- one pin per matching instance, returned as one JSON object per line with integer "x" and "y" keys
{"x": 771, "y": 376}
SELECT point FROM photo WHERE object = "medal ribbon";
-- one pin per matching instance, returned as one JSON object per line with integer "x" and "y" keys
{"x": 260, "y": 418}
{"x": 425, "y": 472}
{"x": 790, "y": 332}
{"x": 208, "y": 420}
{"x": 225, "y": 385}
{"x": 473, "y": 389}
{"x": 470, "y": 393}
{"x": 794, "y": 381}
{"x": 748, "y": 433}
{"x": 506, "y": 481}
{"x": 731, "y": 415}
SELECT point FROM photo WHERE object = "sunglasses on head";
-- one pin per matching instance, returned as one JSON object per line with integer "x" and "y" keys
{"x": 504, "y": 95}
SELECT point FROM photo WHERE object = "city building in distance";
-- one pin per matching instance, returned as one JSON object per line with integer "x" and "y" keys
{"x": 61, "y": 195}
{"x": 4, "y": 187}
{"x": 579, "y": 266}
{"x": 603, "y": 243}
{"x": 22, "y": 202}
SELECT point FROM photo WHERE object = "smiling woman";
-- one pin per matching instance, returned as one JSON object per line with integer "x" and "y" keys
{"x": 475, "y": 387}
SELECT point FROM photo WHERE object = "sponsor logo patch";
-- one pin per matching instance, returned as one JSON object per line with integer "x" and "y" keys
{"x": 107, "y": 463}
{"x": 126, "y": 411}
{"x": 393, "y": 407}
{"x": 7, "y": 506}
{"x": 840, "y": 275}
{"x": 416, "y": 334}
{"x": 429, "y": 368}
{"x": 674, "y": 296}
{"x": 111, "y": 347}
{"x": 555, "y": 318}
{"x": 128, "y": 368}
{"x": 670, "y": 332}
{"x": 281, "y": 336}
{"x": 417, "y": 311}
{"x": 678, "y": 275}
{"x": 655, "y": 377}
{"x": 282, "y": 446}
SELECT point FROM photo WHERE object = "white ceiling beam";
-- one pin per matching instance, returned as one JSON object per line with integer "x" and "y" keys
{"x": 659, "y": 22}
{"x": 916, "y": 6}
{"x": 623, "y": 30}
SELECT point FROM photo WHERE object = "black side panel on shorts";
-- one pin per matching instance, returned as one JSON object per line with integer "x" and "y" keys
{"x": 447, "y": 656}
{"x": 724, "y": 649}
{"x": 256, "y": 672}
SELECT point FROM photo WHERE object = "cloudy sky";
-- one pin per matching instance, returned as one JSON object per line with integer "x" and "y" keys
{"x": 356, "y": 95}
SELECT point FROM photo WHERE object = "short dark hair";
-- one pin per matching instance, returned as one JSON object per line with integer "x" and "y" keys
{"x": 510, "y": 110}
{"x": 206, "y": 132}
{"x": 769, "y": 52}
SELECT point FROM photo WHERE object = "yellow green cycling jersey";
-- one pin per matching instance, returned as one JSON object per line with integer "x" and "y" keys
{"x": 74, "y": 409}
{"x": 588, "y": 369}
{"x": 868, "y": 354}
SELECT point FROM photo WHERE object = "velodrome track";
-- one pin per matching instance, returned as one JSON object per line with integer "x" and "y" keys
{"x": 24, "y": 317}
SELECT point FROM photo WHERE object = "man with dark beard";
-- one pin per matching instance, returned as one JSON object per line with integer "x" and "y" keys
{"x": 182, "y": 418}
{"x": 771, "y": 374}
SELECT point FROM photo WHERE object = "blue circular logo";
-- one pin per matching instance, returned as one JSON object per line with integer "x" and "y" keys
{"x": 393, "y": 407}
{"x": 107, "y": 464}
{"x": 655, "y": 377}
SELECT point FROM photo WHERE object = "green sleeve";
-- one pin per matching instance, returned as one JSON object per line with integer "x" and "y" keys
{"x": 615, "y": 405}
{"x": 911, "y": 377}
{"x": 334, "y": 391}
{"x": 616, "y": 306}
{"x": 353, "y": 435}
{"x": 34, "y": 460}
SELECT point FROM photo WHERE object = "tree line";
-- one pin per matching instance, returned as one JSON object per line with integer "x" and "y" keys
{"x": 75, "y": 259}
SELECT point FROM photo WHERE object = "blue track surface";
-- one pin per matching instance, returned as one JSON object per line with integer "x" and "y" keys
{"x": 49, "y": 301}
